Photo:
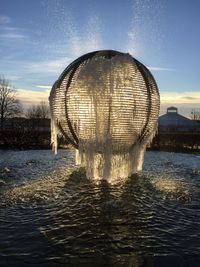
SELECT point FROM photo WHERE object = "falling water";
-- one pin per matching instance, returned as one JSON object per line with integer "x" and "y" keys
{"x": 110, "y": 108}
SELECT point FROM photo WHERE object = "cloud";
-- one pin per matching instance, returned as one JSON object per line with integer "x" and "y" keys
{"x": 48, "y": 66}
{"x": 12, "y": 77}
{"x": 13, "y": 35}
{"x": 48, "y": 87}
{"x": 180, "y": 97}
{"x": 184, "y": 101}
{"x": 66, "y": 41}
{"x": 160, "y": 69}
{"x": 40, "y": 72}
{"x": 4, "y": 19}
{"x": 9, "y": 32}
{"x": 188, "y": 98}
{"x": 30, "y": 97}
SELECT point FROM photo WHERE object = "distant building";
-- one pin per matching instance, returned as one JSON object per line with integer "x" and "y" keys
{"x": 174, "y": 122}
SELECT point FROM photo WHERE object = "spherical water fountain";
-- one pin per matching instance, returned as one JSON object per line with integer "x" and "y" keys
{"x": 106, "y": 104}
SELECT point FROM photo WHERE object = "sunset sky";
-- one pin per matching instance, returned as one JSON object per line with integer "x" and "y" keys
{"x": 39, "y": 38}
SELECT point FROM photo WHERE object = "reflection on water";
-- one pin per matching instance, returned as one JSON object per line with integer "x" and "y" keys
{"x": 50, "y": 213}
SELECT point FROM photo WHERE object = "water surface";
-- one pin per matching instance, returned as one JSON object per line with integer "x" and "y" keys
{"x": 52, "y": 215}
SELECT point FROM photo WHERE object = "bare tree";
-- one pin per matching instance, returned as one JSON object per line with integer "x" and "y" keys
{"x": 10, "y": 106}
{"x": 40, "y": 111}
{"x": 195, "y": 114}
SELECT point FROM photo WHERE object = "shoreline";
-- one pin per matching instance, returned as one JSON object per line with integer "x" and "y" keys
{"x": 66, "y": 147}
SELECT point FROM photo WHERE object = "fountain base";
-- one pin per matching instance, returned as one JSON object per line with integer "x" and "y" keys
{"x": 111, "y": 166}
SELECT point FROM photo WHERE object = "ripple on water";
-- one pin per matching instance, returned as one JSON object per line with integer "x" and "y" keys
{"x": 55, "y": 214}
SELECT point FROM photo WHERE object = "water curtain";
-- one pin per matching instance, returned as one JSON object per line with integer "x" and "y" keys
{"x": 105, "y": 104}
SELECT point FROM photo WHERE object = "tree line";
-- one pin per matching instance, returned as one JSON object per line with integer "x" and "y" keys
{"x": 11, "y": 106}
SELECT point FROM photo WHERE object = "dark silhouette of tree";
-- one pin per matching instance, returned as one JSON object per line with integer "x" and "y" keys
{"x": 40, "y": 111}
{"x": 195, "y": 114}
{"x": 10, "y": 106}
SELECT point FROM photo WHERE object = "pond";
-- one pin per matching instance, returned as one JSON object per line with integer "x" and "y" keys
{"x": 52, "y": 215}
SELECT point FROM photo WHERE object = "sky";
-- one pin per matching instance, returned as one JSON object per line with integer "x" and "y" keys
{"x": 39, "y": 38}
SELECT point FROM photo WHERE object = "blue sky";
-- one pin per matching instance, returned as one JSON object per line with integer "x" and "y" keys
{"x": 39, "y": 38}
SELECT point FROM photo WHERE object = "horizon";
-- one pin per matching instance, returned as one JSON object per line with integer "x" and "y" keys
{"x": 40, "y": 38}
